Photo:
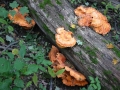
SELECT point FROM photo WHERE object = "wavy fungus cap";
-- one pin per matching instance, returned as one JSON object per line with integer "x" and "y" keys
{"x": 52, "y": 54}
{"x": 71, "y": 81}
{"x": 80, "y": 11}
{"x": 20, "y": 19}
{"x": 64, "y": 38}
{"x": 93, "y": 18}
{"x": 85, "y": 20}
{"x": 78, "y": 76}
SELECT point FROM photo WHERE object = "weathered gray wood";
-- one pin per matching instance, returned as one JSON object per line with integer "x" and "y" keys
{"x": 92, "y": 58}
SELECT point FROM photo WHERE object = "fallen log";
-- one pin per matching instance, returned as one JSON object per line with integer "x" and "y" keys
{"x": 92, "y": 58}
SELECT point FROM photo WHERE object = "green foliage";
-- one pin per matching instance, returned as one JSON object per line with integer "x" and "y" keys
{"x": 12, "y": 12}
{"x": 35, "y": 79}
{"x": 10, "y": 28}
{"x": 54, "y": 74}
{"x": 15, "y": 64}
{"x": 42, "y": 87}
{"x": 3, "y": 21}
{"x": 2, "y": 40}
{"x": 14, "y": 4}
{"x": 9, "y": 38}
{"x": 28, "y": 84}
{"x": 19, "y": 82}
{"x": 28, "y": 19}
{"x": 24, "y": 10}
{"x": 75, "y": 1}
{"x": 4, "y": 65}
{"x": 5, "y": 84}
{"x": 94, "y": 84}
{"x": 116, "y": 37}
{"x": 18, "y": 64}
{"x": 22, "y": 51}
{"x": 108, "y": 6}
{"x": 3, "y": 12}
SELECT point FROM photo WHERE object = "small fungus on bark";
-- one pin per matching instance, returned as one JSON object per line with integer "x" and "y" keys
{"x": 64, "y": 38}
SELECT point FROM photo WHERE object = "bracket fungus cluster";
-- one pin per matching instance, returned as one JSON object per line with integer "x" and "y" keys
{"x": 64, "y": 38}
{"x": 70, "y": 76}
{"x": 20, "y": 19}
{"x": 89, "y": 16}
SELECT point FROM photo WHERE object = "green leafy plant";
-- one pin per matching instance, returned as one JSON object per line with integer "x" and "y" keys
{"x": 41, "y": 87}
{"x": 15, "y": 64}
{"x": 53, "y": 73}
{"x": 109, "y": 5}
{"x": 94, "y": 84}
{"x": 75, "y": 1}
{"x": 14, "y": 4}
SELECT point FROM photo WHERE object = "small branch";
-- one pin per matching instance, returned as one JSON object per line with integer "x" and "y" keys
{"x": 51, "y": 83}
{"x": 1, "y": 47}
{"x": 5, "y": 48}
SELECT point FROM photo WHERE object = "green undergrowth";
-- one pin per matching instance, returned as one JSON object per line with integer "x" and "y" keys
{"x": 94, "y": 84}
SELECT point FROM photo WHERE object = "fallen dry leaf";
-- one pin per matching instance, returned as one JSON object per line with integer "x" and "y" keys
{"x": 109, "y": 45}
{"x": 73, "y": 26}
{"x": 115, "y": 61}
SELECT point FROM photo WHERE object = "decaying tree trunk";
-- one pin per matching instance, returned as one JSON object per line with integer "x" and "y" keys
{"x": 92, "y": 58}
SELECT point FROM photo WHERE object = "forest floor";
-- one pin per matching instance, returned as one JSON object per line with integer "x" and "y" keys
{"x": 32, "y": 47}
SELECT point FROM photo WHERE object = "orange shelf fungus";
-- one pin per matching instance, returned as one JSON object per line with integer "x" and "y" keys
{"x": 52, "y": 54}
{"x": 64, "y": 38}
{"x": 89, "y": 16}
{"x": 78, "y": 76}
{"x": 70, "y": 76}
{"x": 85, "y": 20}
{"x": 20, "y": 19}
{"x": 71, "y": 81}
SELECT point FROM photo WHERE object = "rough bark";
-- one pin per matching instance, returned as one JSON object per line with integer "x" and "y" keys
{"x": 92, "y": 58}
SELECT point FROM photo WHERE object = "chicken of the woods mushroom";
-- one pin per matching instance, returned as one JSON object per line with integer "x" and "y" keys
{"x": 70, "y": 76}
{"x": 64, "y": 38}
{"x": 89, "y": 16}
{"x": 20, "y": 19}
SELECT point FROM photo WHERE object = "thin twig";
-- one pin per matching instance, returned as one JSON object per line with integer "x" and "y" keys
{"x": 9, "y": 45}
{"x": 51, "y": 83}
{"x": 1, "y": 47}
